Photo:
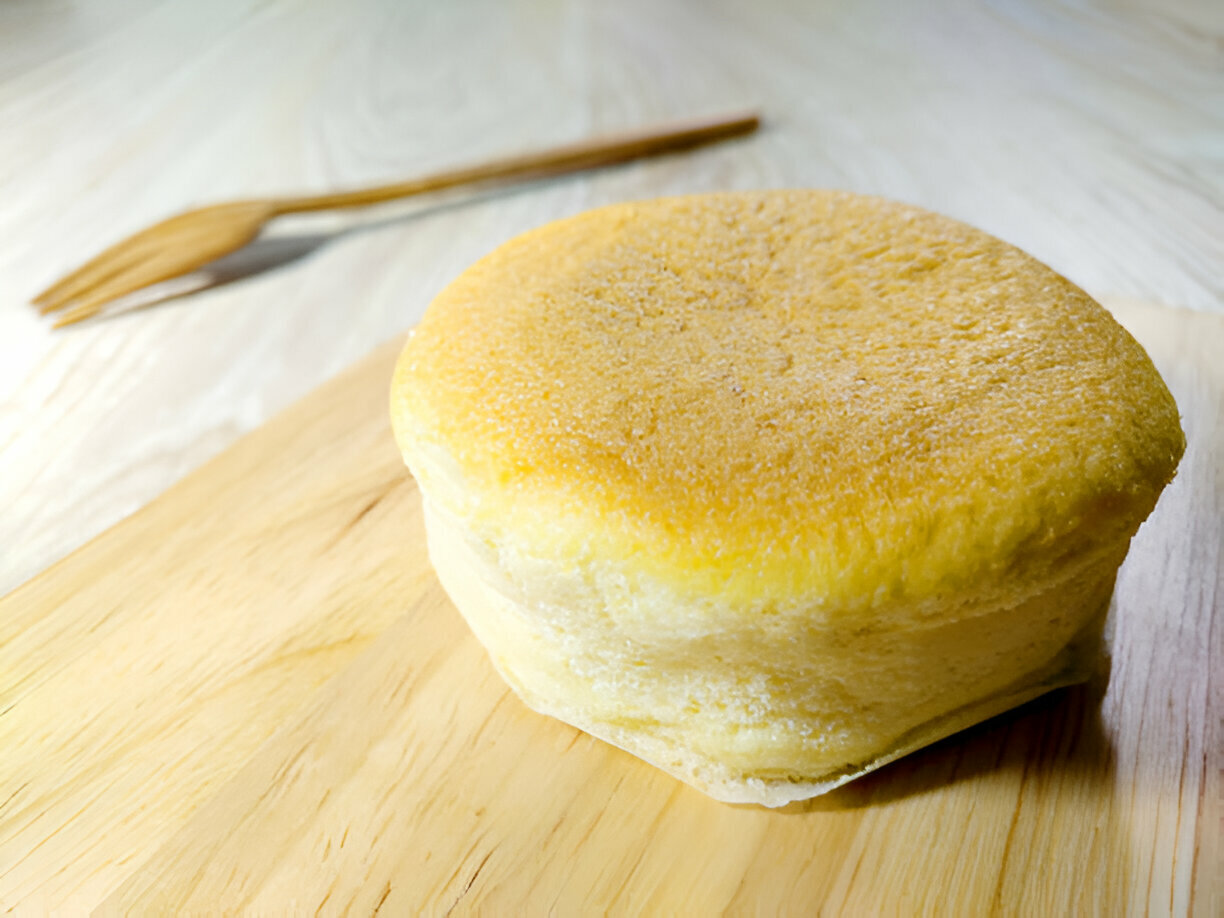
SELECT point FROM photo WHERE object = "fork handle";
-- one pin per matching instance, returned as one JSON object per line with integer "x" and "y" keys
{"x": 598, "y": 151}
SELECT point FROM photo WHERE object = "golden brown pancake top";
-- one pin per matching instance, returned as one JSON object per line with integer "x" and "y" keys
{"x": 787, "y": 393}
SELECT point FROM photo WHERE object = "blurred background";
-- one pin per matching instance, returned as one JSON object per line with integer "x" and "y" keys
{"x": 1089, "y": 133}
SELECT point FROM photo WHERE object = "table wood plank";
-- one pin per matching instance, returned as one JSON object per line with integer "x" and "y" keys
{"x": 253, "y": 696}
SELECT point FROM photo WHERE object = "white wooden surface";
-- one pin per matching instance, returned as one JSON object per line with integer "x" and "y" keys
{"x": 1091, "y": 134}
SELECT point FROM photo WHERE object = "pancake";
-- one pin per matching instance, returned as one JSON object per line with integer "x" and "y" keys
{"x": 770, "y": 488}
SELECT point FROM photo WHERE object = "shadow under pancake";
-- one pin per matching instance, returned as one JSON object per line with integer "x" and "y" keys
{"x": 1058, "y": 735}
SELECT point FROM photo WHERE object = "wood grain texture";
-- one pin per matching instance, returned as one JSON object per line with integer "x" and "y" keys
{"x": 252, "y": 696}
{"x": 128, "y": 657}
{"x": 1085, "y": 132}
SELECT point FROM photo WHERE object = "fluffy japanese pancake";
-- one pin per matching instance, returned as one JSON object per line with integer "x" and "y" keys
{"x": 771, "y": 488}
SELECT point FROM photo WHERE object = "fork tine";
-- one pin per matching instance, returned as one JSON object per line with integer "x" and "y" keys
{"x": 79, "y": 313}
{"x": 135, "y": 275}
{"x": 80, "y": 279}
{"x": 99, "y": 269}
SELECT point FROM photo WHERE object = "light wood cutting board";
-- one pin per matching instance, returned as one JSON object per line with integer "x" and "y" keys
{"x": 253, "y": 696}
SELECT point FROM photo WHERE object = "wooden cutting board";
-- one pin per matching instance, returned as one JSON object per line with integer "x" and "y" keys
{"x": 253, "y": 696}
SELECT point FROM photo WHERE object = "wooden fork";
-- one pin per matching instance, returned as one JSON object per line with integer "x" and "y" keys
{"x": 190, "y": 240}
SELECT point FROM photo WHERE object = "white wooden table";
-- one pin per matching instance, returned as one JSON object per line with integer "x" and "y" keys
{"x": 1091, "y": 138}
